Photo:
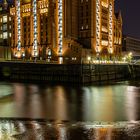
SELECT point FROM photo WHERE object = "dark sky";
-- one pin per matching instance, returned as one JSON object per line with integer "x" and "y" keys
{"x": 130, "y": 10}
{"x": 10, "y": 1}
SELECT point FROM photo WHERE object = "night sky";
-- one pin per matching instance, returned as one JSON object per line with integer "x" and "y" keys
{"x": 9, "y": 1}
{"x": 130, "y": 10}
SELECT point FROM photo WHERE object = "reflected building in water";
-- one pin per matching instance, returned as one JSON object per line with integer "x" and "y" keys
{"x": 69, "y": 113}
{"x": 58, "y": 103}
{"x": 65, "y": 29}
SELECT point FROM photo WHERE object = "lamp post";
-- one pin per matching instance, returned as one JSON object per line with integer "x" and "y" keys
{"x": 48, "y": 54}
{"x": 89, "y": 59}
{"x": 130, "y": 57}
{"x": 98, "y": 56}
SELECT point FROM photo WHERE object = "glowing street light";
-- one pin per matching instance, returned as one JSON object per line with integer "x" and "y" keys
{"x": 124, "y": 59}
{"x": 89, "y": 58}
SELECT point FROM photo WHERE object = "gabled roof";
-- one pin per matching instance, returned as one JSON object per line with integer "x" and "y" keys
{"x": 118, "y": 16}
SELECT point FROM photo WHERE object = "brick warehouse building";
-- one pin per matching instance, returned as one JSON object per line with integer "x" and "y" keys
{"x": 5, "y": 30}
{"x": 65, "y": 30}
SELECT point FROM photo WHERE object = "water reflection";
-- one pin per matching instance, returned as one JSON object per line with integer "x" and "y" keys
{"x": 102, "y": 101}
{"x": 111, "y": 103}
{"x": 131, "y": 103}
{"x": 42, "y": 130}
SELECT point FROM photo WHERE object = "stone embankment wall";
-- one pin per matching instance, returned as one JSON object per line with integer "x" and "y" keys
{"x": 73, "y": 73}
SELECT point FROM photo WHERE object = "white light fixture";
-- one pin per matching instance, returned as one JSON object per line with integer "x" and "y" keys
{"x": 60, "y": 27}
{"x": 98, "y": 24}
{"x": 35, "y": 45}
{"x": 18, "y": 25}
{"x": 110, "y": 28}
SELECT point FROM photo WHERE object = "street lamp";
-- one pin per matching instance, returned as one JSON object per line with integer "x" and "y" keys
{"x": 124, "y": 59}
{"x": 130, "y": 57}
{"x": 98, "y": 56}
{"x": 89, "y": 59}
{"x": 48, "y": 54}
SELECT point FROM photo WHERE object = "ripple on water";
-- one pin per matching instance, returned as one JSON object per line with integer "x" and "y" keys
{"x": 42, "y": 130}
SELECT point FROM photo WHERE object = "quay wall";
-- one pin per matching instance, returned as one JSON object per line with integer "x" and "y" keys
{"x": 72, "y": 73}
{"x": 135, "y": 71}
{"x": 105, "y": 72}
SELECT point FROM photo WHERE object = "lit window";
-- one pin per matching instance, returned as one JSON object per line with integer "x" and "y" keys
{"x": 86, "y": 26}
{"x": 4, "y": 35}
{"x": 4, "y": 19}
{"x": 0, "y": 19}
{"x": 9, "y": 34}
{"x": 104, "y": 42}
{"x": 0, "y": 35}
{"x": 9, "y": 18}
{"x": 104, "y": 29}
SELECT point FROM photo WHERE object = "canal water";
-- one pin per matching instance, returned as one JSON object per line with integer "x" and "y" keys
{"x": 44, "y": 111}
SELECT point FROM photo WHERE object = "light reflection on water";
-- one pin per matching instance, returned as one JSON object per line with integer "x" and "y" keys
{"x": 69, "y": 113}
{"x": 119, "y": 102}
{"x": 41, "y": 130}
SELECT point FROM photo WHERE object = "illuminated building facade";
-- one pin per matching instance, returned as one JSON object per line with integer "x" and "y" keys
{"x": 65, "y": 29}
{"x": 5, "y": 30}
{"x": 100, "y": 28}
{"x": 29, "y": 30}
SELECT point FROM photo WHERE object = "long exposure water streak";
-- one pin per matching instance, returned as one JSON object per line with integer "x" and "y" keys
{"x": 68, "y": 112}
